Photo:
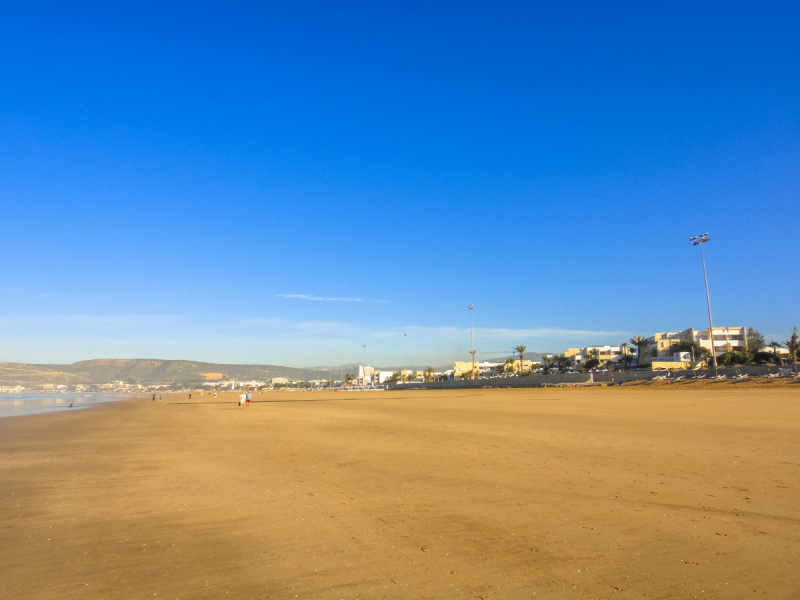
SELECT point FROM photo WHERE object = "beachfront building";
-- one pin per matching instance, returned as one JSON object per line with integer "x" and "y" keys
{"x": 484, "y": 368}
{"x": 371, "y": 376}
{"x": 607, "y": 355}
{"x": 527, "y": 365}
{"x": 678, "y": 360}
{"x": 279, "y": 381}
{"x": 659, "y": 344}
{"x": 365, "y": 375}
{"x": 726, "y": 339}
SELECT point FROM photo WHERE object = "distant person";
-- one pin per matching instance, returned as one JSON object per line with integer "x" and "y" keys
{"x": 249, "y": 397}
{"x": 242, "y": 400}
{"x": 215, "y": 394}
{"x": 190, "y": 395}
{"x": 154, "y": 397}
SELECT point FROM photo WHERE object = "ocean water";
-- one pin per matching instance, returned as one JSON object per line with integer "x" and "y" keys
{"x": 14, "y": 405}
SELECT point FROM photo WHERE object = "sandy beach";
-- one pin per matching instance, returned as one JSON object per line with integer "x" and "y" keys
{"x": 620, "y": 492}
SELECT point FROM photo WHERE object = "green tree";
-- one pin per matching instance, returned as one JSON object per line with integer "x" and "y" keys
{"x": 561, "y": 361}
{"x": 521, "y": 351}
{"x": 730, "y": 359}
{"x": 639, "y": 342}
{"x": 429, "y": 374}
{"x": 594, "y": 354}
{"x": 592, "y": 363}
{"x": 755, "y": 341}
{"x": 764, "y": 357}
{"x": 792, "y": 345}
{"x": 774, "y": 345}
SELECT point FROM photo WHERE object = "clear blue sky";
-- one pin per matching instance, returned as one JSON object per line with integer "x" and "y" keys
{"x": 238, "y": 183}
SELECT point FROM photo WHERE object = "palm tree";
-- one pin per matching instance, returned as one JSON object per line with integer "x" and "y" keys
{"x": 792, "y": 345}
{"x": 521, "y": 349}
{"x": 429, "y": 374}
{"x": 624, "y": 348}
{"x": 639, "y": 342}
{"x": 774, "y": 346}
{"x": 509, "y": 365}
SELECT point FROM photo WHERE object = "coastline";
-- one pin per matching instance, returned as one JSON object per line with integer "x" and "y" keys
{"x": 31, "y": 403}
{"x": 562, "y": 492}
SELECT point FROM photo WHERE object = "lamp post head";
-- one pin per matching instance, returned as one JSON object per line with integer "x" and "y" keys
{"x": 470, "y": 307}
{"x": 699, "y": 239}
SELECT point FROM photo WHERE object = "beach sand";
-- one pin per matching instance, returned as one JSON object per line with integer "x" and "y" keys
{"x": 620, "y": 492}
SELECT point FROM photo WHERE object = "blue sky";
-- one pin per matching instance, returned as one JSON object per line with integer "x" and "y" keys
{"x": 285, "y": 183}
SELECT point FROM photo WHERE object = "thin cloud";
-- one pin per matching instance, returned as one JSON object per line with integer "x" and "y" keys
{"x": 545, "y": 332}
{"x": 318, "y": 299}
{"x": 110, "y": 320}
{"x": 279, "y": 325}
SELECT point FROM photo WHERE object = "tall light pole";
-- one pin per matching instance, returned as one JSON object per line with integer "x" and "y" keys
{"x": 471, "y": 307}
{"x": 405, "y": 345}
{"x": 699, "y": 241}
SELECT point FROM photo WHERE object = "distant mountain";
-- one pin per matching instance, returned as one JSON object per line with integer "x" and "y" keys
{"x": 144, "y": 371}
{"x": 21, "y": 374}
{"x": 148, "y": 371}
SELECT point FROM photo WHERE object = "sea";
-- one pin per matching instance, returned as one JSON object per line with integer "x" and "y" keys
{"x": 15, "y": 405}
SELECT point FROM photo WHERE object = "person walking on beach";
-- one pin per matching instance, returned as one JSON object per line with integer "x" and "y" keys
{"x": 215, "y": 394}
{"x": 249, "y": 398}
{"x": 242, "y": 400}
{"x": 190, "y": 395}
{"x": 154, "y": 397}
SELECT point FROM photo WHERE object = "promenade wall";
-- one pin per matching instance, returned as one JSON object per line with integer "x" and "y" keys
{"x": 611, "y": 377}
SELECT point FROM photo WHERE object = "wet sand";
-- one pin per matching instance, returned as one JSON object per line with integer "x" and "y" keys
{"x": 632, "y": 492}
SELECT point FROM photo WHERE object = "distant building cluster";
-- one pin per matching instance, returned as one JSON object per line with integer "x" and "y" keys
{"x": 662, "y": 350}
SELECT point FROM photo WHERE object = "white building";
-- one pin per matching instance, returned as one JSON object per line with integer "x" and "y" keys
{"x": 726, "y": 339}
{"x": 605, "y": 354}
{"x": 371, "y": 376}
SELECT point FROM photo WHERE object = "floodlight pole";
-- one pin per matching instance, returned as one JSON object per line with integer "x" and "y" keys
{"x": 405, "y": 346}
{"x": 472, "y": 339}
{"x": 699, "y": 241}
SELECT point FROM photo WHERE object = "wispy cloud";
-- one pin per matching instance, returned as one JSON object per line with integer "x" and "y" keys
{"x": 441, "y": 334}
{"x": 279, "y": 325}
{"x": 488, "y": 332}
{"x": 90, "y": 319}
{"x": 317, "y": 298}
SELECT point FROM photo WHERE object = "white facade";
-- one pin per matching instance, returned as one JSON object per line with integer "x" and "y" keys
{"x": 726, "y": 339}
{"x": 605, "y": 354}
{"x": 370, "y": 376}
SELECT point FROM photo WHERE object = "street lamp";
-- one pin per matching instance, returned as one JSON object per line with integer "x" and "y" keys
{"x": 472, "y": 339}
{"x": 699, "y": 241}
{"x": 405, "y": 345}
